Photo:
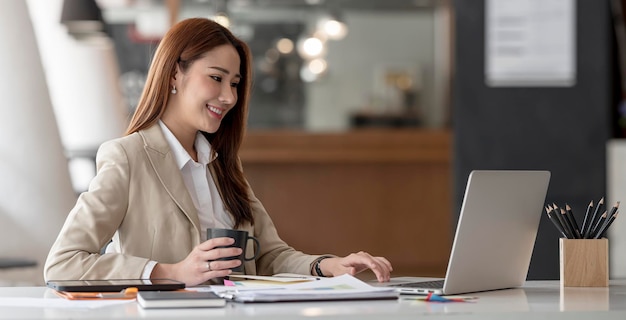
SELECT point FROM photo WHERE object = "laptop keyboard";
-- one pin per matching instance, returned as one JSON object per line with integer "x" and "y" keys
{"x": 422, "y": 284}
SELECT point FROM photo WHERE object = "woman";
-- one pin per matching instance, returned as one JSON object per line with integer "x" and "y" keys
{"x": 176, "y": 173}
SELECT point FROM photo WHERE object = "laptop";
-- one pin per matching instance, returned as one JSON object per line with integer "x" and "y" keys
{"x": 495, "y": 234}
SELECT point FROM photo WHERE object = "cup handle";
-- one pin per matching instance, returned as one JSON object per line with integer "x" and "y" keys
{"x": 257, "y": 248}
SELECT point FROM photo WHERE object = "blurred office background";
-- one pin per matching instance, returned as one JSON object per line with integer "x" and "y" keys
{"x": 365, "y": 120}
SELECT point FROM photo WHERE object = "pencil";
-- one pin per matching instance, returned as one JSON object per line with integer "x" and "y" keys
{"x": 606, "y": 227}
{"x": 587, "y": 234}
{"x": 614, "y": 209}
{"x": 608, "y": 218}
{"x": 596, "y": 228}
{"x": 572, "y": 220}
{"x": 556, "y": 223}
{"x": 568, "y": 224}
{"x": 584, "y": 226}
{"x": 559, "y": 218}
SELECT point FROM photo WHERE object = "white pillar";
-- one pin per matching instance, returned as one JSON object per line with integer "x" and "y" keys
{"x": 35, "y": 188}
{"x": 83, "y": 76}
{"x": 616, "y": 191}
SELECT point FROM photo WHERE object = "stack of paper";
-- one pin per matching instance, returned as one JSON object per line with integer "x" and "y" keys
{"x": 344, "y": 287}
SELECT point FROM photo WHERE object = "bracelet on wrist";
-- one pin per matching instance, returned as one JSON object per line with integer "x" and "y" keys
{"x": 317, "y": 268}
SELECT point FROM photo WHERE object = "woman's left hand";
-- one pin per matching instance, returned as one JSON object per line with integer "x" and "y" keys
{"x": 355, "y": 263}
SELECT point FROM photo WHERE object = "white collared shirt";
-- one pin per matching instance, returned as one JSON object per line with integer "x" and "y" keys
{"x": 199, "y": 182}
{"x": 200, "y": 185}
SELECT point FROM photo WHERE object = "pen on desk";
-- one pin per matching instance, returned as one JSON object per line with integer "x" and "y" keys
{"x": 299, "y": 277}
{"x": 572, "y": 220}
{"x": 556, "y": 223}
{"x": 585, "y": 219}
{"x": 587, "y": 234}
{"x": 295, "y": 276}
{"x": 606, "y": 227}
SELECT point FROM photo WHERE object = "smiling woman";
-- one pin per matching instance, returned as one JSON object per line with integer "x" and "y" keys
{"x": 177, "y": 173}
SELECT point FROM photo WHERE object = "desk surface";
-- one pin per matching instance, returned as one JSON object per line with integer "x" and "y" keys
{"x": 536, "y": 300}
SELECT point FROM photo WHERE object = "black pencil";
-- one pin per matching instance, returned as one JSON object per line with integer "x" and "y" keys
{"x": 587, "y": 234}
{"x": 584, "y": 226}
{"x": 609, "y": 216}
{"x": 614, "y": 209}
{"x": 568, "y": 224}
{"x": 570, "y": 216}
{"x": 596, "y": 228}
{"x": 556, "y": 223}
{"x": 557, "y": 213}
{"x": 602, "y": 231}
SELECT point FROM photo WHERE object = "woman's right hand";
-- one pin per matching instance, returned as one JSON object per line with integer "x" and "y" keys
{"x": 202, "y": 263}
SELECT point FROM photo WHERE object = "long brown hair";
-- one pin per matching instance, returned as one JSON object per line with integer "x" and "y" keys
{"x": 184, "y": 43}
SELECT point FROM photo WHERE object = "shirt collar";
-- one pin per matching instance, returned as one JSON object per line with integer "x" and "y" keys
{"x": 203, "y": 147}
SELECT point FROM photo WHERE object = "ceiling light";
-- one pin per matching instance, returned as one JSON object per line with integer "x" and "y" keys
{"x": 317, "y": 66}
{"x": 311, "y": 47}
{"x": 223, "y": 19}
{"x": 335, "y": 29}
{"x": 284, "y": 46}
{"x": 306, "y": 75}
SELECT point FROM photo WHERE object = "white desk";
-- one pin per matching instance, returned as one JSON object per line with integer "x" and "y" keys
{"x": 536, "y": 300}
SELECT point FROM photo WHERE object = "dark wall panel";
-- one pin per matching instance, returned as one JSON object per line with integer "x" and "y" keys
{"x": 561, "y": 129}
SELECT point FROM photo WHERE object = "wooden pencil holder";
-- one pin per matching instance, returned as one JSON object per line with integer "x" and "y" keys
{"x": 584, "y": 262}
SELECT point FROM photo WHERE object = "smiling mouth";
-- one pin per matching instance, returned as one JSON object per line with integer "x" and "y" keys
{"x": 215, "y": 110}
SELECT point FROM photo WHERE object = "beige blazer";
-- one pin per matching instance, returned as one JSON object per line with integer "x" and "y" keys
{"x": 138, "y": 199}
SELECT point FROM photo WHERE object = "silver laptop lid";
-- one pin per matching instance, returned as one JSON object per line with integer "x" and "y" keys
{"x": 496, "y": 230}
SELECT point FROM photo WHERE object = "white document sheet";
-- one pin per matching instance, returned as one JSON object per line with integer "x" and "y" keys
{"x": 345, "y": 287}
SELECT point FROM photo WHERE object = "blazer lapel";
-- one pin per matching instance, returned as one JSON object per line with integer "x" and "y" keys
{"x": 162, "y": 160}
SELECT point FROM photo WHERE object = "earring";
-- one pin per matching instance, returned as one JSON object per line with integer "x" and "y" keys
{"x": 174, "y": 90}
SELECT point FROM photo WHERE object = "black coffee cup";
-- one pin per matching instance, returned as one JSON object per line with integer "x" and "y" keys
{"x": 241, "y": 240}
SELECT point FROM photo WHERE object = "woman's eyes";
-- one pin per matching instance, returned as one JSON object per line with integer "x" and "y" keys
{"x": 219, "y": 79}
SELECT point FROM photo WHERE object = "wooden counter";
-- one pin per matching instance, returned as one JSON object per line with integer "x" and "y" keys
{"x": 387, "y": 192}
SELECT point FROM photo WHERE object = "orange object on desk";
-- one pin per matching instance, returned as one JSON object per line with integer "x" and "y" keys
{"x": 126, "y": 294}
